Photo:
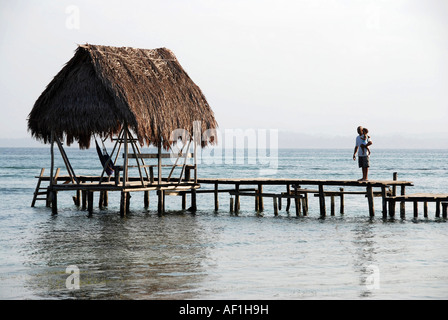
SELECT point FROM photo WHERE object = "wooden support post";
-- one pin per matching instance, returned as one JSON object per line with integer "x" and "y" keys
{"x": 90, "y": 202}
{"x": 126, "y": 155}
{"x": 297, "y": 200}
{"x": 341, "y": 199}
{"x": 288, "y": 192}
{"x": 275, "y": 206}
{"x": 370, "y": 200}
{"x": 106, "y": 198}
{"x": 438, "y": 209}
{"x": 384, "y": 201}
{"x": 77, "y": 198}
{"x": 425, "y": 209}
{"x": 237, "y": 198}
{"x": 322, "y": 201}
{"x": 260, "y": 199}
{"x": 194, "y": 207}
{"x": 402, "y": 203}
{"x": 394, "y": 188}
{"x": 332, "y": 205}
{"x": 146, "y": 199}
{"x": 231, "y": 204}
{"x": 257, "y": 203}
{"x": 123, "y": 204}
{"x": 83, "y": 199}
{"x": 216, "y": 197}
{"x": 161, "y": 204}
{"x": 391, "y": 208}
{"x": 52, "y": 158}
{"x": 101, "y": 200}
{"x": 159, "y": 163}
{"x": 128, "y": 201}
{"x": 304, "y": 206}
{"x": 184, "y": 201}
{"x": 444, "y": 209}
{"x": 54, "y": 201}
{"x": 415, "y": 209}
{"x": 280, "y": 203}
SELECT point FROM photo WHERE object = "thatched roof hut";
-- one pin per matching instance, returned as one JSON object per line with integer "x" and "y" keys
{"x": 103, "y": 88}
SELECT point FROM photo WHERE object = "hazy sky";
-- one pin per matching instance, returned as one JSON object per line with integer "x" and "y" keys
{"x": 310, "y": 67}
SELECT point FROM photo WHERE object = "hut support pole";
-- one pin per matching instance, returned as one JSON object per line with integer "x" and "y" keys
{"x": 68, "y": 166}
{"x": 146, "y": 199}
{"x": 194, "y": 207}
{"x": 52, "y": 159}
{"x": 159, "y": 163}
{"x": 90, "y": 202}
{"x": 126, "y": 151}
{"x": 54, "y": 201}
{"x": 161, "y": 201}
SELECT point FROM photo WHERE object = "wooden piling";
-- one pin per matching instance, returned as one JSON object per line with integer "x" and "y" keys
{"x": 415, "y": 209}
{"x": 161, "y": 201}
{"x": 322, "y": 200}
{"x": 237, "y": 198}
{"x": 77, "y": 198}
{"x": 216, "y": 197}
{"x": 341, "y": 199}
{"x": 391, "y": 208}
{"x": 101, "y": 200}
{"x": 84, "y": 200}
{"x": 438, "y": 209}
{"x": 146, "y": 199}
{"x": 184, "y": 200}
{"x": 297, "y": 200}
{"x": 288, "y": 200}
{"x": 384, "y": 201}
{"x": 123, "y": 204}
{"x": 193, "y": 201}
{"x": 257, "y": 202}
{"x": 402, "y": 203}
{"x": 444, "y": 209}
{"x": 54, "y": 202}
{"x": 231, "y": 204}
{"x": 332, "y": 205}
{"x": 260, "y": 200}
{"x": 394, "y": 188}
{"x": 275, "y": 206}
{"x": 370, "y": 201}
{"x": 90, "y": 202}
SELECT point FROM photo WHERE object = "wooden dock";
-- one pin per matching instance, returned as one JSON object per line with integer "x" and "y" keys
{"x": 441, "y": 199}
{"x": 295, "y": 191}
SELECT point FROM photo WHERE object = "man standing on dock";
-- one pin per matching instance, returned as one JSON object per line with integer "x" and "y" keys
{"x": 363, "y": 157}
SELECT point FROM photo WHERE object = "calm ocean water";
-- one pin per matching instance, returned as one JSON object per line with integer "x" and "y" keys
{"x": 220, "y": 255}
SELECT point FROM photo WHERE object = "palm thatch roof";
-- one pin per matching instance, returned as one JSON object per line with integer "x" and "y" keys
{"x": 103, "y": 88}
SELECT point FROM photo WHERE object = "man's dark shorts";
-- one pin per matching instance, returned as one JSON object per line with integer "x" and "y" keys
{"x": 364, "y": 162}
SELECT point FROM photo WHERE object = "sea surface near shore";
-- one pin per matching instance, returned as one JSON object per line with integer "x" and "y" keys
{"x": 219, "y": 255}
